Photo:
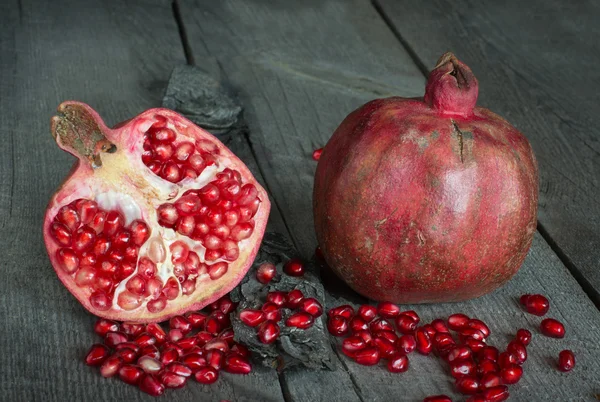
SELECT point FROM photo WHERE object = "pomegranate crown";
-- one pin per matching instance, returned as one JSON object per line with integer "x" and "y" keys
{"x": 451, "y": 88}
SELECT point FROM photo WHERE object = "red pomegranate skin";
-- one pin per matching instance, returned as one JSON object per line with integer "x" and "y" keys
{"x": 427, "y": 199}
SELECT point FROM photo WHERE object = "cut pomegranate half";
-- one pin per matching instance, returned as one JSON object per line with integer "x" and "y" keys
{"x": 157, "y": 217}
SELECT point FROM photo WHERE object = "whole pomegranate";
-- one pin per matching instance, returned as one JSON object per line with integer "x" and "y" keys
{"x": 157, "y": 216}
{"x": 426, "y": 200}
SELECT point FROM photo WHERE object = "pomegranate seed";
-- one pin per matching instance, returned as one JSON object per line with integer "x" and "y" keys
{"x": 368, "y": 356}
{"x": 294, "y": 298}
{"x": 458, "y": 321}
{"x": 358, "y": 324}
{"x": 175, "y": 335}
{"x": 459, "y": 353}
{"x": 130, "y": 374}
{"x": 535, "y": 304}
{"x": 104, "y": 326}
{"x": 337, "y": 325}
{"x": 490, "y": 353}
{"x": 443, "y": 339}
{"x": 467, "y": 385}
{"x": 278, "y": 298}
{"x": 237, "y": 364}
{"x": 479, "y": 325}
{"x": 566, "y": 360}
{"x": 61, "y": 234}
{"x": 511, "y": 374}
{"x": 519, "y": 350}
{"x": 149, "y": 364}
{"x": 311, "y": 306}
{"x": 111, "y": 339}
{"x": 316, "y": 155}
{"x": 461, "y": 368}
{"x": 272, "y": 312}
{"x": 424, "y": 344}
{"x": 145, "y": 339}
{"x": 226, "y": 306}
{"x": 473, "y": 333}
{"x": 366, "y": 336}
{"x": 252, "y": 318}
{"x": 440, "y": 326}
{"x": 353, "y": 344}
{"x": 172, "y": 380}
{"x": 150, "y": 351}
{"x": 474, "y": 345}
{"x": 386, "y": 348}
{"x": 206, "y": 375}
{"x": 437, "y": 398}
{"x": 367, "y": 313}
{"x": 97, "y": 354}
{"x": 83, "y": 239}
{"x": 389, "y": 335}
{"x": 240, "y": 350}
{"x": 552, "y": 328}
{"x": 506, "y": 359}
{"x": 496, "y": 394}
{"x": 127, "y": 354}
{"x": 490, "y": 380}
{"x": 380, "y": 324}
{"x": 181, "y": 323}
{"x": 300, "y": 320}
{"x": 187, "y": 343}
{"x": 179, "y": 369}
{"x": 204, "y": 337}
{"x": 388, "y": 310}
{"x": 128, "y": 345}
{"x": 398, "y": 363}
{"x": 217, "y": 343}
{"x": 268, "y": 332}
{"x": 214, "y": 358}
{"x": 68, "y": 260}
{"x": 294, "y": 267}
{"x": 157, "y": 332}
{"x": 523, "y": 336}
{"x": 194, "y": 361}
{"x": 345, "y": 311}
{"x": 111, "y": 366}
{"x": 151, "y": 385}
{"x": 196, "y": 319}
{"x": 406, "y": 324}
{"x": 407, "y": 343}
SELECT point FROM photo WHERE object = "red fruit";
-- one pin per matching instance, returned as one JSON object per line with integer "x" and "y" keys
{"x": 294, "y": 298}
{"x": 172, "y": 380}
{"x": 380, "y": 324}
{"x": 149, "y": 364}
{"x": 459, "y": 353}
{"x": 151, "y": 385}
{"x": 506, "y": 359}
{"x": 440, "y": 326}
{"x": 111, "y": 366}
{"x": 196, "y": 319}
{"x": 490, "y": 353}
{"x": 337, "y": 325}
{"x": 386, "y": 241}
{"x": 518, "y": 350}
{"x": 472, "y": 333}
{"x": 511, "y": 374}
{"x": 130, "y": 374}
{"x": 566, "y": 360}
{"x": 252, "y": 318}
{"x": 367, "y": 312}
{"x": 128, "y": 355}
{"x": 358, "y": 324}
{"x": 535, "y": 304}
{"x": 474, "y": 345}
{"x": 317, "y": 154}
{"x": 97, "y": 355}
{"x": 389, "y": 335}
{"x": 277, "y": 298}
{"x": 110, "y": 210}
{"x": 487, "y": 366}
{"x": 523, "y": 336}
{"x": 406, "y": 343}
{"x": 237, "y": 364}
{"x": 265, "y": 272}
{"x": 438, "y": 398}
{"x": 345, "y": 311}
{"x": 479, "y": 325}
{"x": 294, "y": 267}
{"x": 181, "y": 323}
{"x": 206, "y": 375}
{"x": 467, "y": 385}
{"x": 368, "y": 356}
{"x": 311, "y": 306}
{"x": 353, "y": 344}
{"x": 552, "y": 328}
{"x": 272, "y": 312}
{"x": 397, "y": 363}
{"x": 388, "y": 310}
{"x": 194, "y": 361}
{"x": 111, "y": 339}
{"x": 424, "y": 344}
{"x": 458, "y": 321}
{"x": 300, "y": 320}
{"x": 496, "y": 394}
{"x": 214, "y": 358}
{"x": 490, "y": 380}
{"x": 386, "y": 348}
{"x": 268, "y": 332}
{"x": 406, "y": 324}
{"x": 443, "y": 340}
{"x": 461, "y": 368}
{"x": 103, "y": 326}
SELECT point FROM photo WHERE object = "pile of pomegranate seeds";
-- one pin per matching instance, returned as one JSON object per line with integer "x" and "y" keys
{"x": 199, "y": 345}
{"x": 386, "y": 333}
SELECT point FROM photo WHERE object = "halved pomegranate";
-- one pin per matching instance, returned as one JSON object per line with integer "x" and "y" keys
{"x": 157, "y": 217}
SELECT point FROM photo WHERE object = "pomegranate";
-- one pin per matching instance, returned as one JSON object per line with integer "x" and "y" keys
{"x": 156, "y": 218}
{"x": 436, "y": 197}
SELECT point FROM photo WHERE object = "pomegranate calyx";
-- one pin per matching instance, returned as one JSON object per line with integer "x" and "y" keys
{"x": 452, "y": 88}
{"x": 76, "y": 131}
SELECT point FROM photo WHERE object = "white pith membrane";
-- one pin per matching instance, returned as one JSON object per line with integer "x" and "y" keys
{"x": 125, "y": 184}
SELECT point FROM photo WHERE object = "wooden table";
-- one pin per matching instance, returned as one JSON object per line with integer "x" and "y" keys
{"x": 299, "y": 67}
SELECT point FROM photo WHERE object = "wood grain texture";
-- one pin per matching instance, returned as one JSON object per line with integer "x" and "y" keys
{"x": 117, "y": 57}
{"x": 537, "y": 66}
{"x": 300, "y": 68}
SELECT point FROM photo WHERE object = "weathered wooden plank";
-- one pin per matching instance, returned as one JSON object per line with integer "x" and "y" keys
{"x": 536, "y": 64}
{"x": 117, "y": 57}
{"x": 300, "y": 68}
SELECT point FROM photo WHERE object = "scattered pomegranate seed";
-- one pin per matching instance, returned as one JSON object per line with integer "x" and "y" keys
{"x": 353, "y": 344}
{"x": 490, "y": 380}
{"x": 112, "y": 339}
{"x": 424, "y": 344}
{"x": 398, "y": 363}
{"x": 519, "y": 350}
{"x": 380, "y": 324}
{"x": 111, "y": 366}
{"x": 294, "y": 298}
{"x": 151, "y": 385}
{"x": 467, "y": 385}
{"x": 337, "y": 325}
{"x": 506, "y": 359}
{"x": 97, "y": 354}
{"x": 104, "y": 326}
{"x": 358, "y": 324}
{"x": 300, "y": 320}
{"x": 566, "y": 360}
{"x": 490, "y": 353}
{"x": 388, "y": 310}
{"x": 268, "y": 332}
{"x": 407, "y": 343}
{"x": 406, "y": 324}
{"x": 511, "y": 374}
{"x": 237, "y": 364}
{"x": 496, "y": 394}
{"x": 368, "y": 356}
{"x": 130, "y": 374}
{"x": 457, "y": 322}
{"x": 535, "y": 304}
{"x": 440, "y": 326}
{"x": 523, "y": 336}
{"x": 311, "y": 306}
{"x": 272, "y": 312}
{"x": 487, "y": 366}
{"x": 461, "y": 368}
{"x": 294, "y": 267}
{"x": 265, "y": 273}
{"x": 367, "y": 313}
{"x": 252, "y": 318}
{"x": 459, "y": 353}
{"x": 206, "y": 375}
{"x": 552, "y": 328}
{"x": 480, "y": 326}
{"x": 278, "y": 298}
{"x": 317, "y": 154}
{"x": 345, "y": 311}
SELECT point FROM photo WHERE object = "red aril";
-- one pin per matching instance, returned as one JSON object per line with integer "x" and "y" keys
{"x": 206, "y": 375}
{"x": 511, "y": 373}
{"x": 506, "y": 358}
{"x": 97, "y": 354}
{"x": 151, "y": 385}
{"x": 266, "y": 272}
{"x": 368, "y": 356}
{"x": 317, "y": 154}
{"x": 130, "y": 374}
{"x": 397, "y": 363}
{"x": 300, "y": 320}
{"x": 459, "y": 353}
{"x": 252, "y": 318}
{"x": 345, "y": 310}
{"x": 127, "y": 218}
{"x": 457, "y": 322}
{"x": 268, "y": 332}
{"x": 103, "y": 326}
{"x": 552, "y": 328}
{"x": 535, "y": 304}
{"x": 337, "y": 325}
{"x": 523, "y": 336}
{"x": 479, "y": 325}
{"x": 294, "y": 298}
{"x": 489, "y": 352}
{"x": 386, "y": 166}
{"x": 237, "y": 364}
{"x": 440, "y": 325}
{"x": 462, "y": 368}
{"x": 406, "y": 343}
{"x": 424, "y": 344}
{"x": 566, "y": 360}
{"x": 388, "y": 310}
{"x": 311, "y": 306}
{"x": 111, "y": 366}
{"x": 496, "y": 394}
{"x": 367, "y": 312}
{"x": 358, "y": 324}
{"x": 277, "y": 297}
{"x": 518, "y": 350}
{"x": 490, "y": 380}
{"x": 487, "y": 366}
{"x": 467, "y": 385}
{"x": 352, "y": 344}
{"x": 294, "y": 267}
{"x": 474, "y": 344}
{"x": 272, "y": 311}
{"x": 172, "y": 380}
{"x": 386, "y": 348}
{"x": 406, "y": 324}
